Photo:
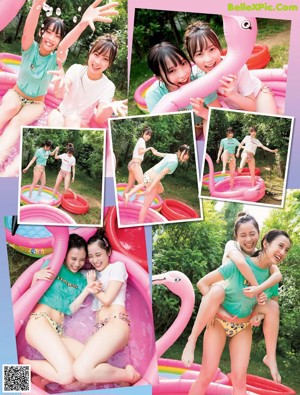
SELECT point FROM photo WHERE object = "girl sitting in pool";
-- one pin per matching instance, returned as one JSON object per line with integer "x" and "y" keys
{"x": 152, "y": 177}
{"x": 173, "y": 69}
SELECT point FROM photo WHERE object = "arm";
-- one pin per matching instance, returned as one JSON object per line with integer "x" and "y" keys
{"x": 73, "y": 176}
{"x": 274, "y": 151}
{"x": 54, "y": 151}
{"x": 90, "y": 288}
{"x": 239, "y": 260}
{"x": 29, "y": 164}
{"x": 43, "y": 274}
{"x": 106, "y": 110}
{"x": 275, "y": 278}
{"x": 108, "y": 296}
{"x": 219, "y": 153}
{"x": 31, "y": 24}
{"x": 240, "y": 147}
{"x": 156, "y": 153}
{"x": 205, "y": 282}
{"x": 229, "y": 89}
{"x": 92, "y": 14}
{"x": 61, "y": 82}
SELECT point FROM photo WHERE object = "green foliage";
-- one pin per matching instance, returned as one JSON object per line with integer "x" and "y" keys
{"x": 230, "y": 211}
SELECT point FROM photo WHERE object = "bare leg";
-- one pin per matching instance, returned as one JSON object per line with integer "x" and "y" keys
{"x": 132, "y": 192}
{"x": 213, "y": 344}
{"x": 10, "y": 106}
{"x": 232, "y": 171}
{"x": 12, "y": 170}
{"x": 225, "y": 157}
{"x": 36, "y": 178}
{"x": 55, "y": 118}
{"x": 59, "y": 179}
{"x": 57, "y": 366}
{"x": 251, "y": 164}
{"x": 270, "y": 327}
{"x": 148, "y": 201}
{"x": 208, "y": 308}
{"x": 240, "y": 349}
{"x": 135, "y": 174}
{"x": 91, "y": 365}
{"x": 243, "y": 161}
{"x": 265, "y": 102}
{"x": 43, "y": 182}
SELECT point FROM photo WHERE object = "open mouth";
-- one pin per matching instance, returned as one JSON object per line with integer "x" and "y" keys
{"x": 210, "y": 66}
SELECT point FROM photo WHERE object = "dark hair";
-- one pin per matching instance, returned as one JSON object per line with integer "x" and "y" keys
{"x": 59, "y": 26}
{"x": 146, "y": 130}
{"x": 183, "y": 150}
{"x": 70, "y": 148}
{"x": 230, "y": 130}
{"x": 197, "y": 36}
{"x": 105, "y": 44}
{"x": 101, "y": 240}
{"x": 158, "y": 55}
{"x": 47, "y": 143}
{"x": 252, "y": 129}
{"x": 269, "y": 237}
{"x": 76, "y": 241}
{"x": 243, "y": 218}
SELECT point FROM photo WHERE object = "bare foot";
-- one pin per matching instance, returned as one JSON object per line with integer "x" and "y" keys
{"x": 133, "y": 374}
{"x": 272, "y": 365}
{"x": 24, "y": 361}
{"x": 188, "y": 354}
{"x": 138, "y": 195}
{"x": 40, "y": 381}
{"x": 126, "y": 198}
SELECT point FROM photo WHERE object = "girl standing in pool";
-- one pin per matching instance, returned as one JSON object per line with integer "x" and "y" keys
{"x": 113, "y": 323}
{"x": 250, "y": 144}
{"x": 24, "y": 103}
{"x": 67, "y": 169}
{"x": 274, "y": 248}
{"x": 173, "y": 69}
{"x": 243, "y": 91}
{"x": 152, "y": 177}
{"x": 86, "y": 91}
{"x": 44, "y": 330}
{"x": 39, "y": 174}
{"x": 246, "y": 232}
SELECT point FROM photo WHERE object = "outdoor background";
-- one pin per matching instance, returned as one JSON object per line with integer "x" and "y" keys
{"x": 196, "y": 248}
{"x": 170, "y": 132}
{"x": 153, "y": 26}
{"x": 272, "y": 132}
{"x": 71, "y": 11}
{"x": 89, "y": 148}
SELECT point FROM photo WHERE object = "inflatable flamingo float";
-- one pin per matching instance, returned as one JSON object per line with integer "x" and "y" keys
{"x": 240, "y": 35}
{"x": 242, "y": 186}
{"x": 140, "y": 350}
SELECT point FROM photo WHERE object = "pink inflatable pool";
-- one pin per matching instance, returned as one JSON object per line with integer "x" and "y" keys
{"x": 156, "y": 204}
{"x": 45, "y": 197}
{"x": 44, "y": 214}
{"x": 129, "y": 215}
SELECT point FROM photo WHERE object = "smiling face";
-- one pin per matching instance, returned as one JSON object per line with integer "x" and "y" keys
{"x": 147, "y": 136}
{"x": 277, "y": 250}
{"x": 208, "y": 57}
{"x": 97, "y": 64}
{"x": 247, "y": 236}
{"x": 176, "y": 74}
{"x": 51, "y": 37}
{"x": 75, "y": 259}
{"x": 98, "y": 257}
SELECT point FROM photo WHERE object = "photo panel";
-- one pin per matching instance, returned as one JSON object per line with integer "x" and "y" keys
{"x": 156, "y": 169}
{"x": 62, "y": 171}
{"x": 247, "y": 157}
{"x": 44, "y": 295}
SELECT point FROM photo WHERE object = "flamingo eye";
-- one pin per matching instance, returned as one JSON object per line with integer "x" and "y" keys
{"x": 246, "y": 25}
{"x": 176, "y": 279}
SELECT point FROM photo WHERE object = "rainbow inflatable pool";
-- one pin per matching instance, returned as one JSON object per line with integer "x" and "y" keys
{"x": 45, "y": 197}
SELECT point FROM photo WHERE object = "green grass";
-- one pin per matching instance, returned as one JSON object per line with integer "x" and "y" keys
{"x": 85, "y": 186}
{"x": 181, "y": 187}
{"x": 287, "y": 365}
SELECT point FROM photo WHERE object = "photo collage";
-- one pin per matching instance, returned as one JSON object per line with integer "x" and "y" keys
{"x": 150, "y": 197}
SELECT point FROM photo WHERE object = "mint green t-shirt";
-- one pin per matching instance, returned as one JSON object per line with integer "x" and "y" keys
{"x": 170, "y": 161}
{"x": 236, "y": 303}
{"x": 41, "y": 156}
{"x": 64, "y": 289}
{"x": 229, "y": 144}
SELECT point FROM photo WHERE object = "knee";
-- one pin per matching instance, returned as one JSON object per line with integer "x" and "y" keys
{"x": 55, "y": 119}
{"x": 73, "y": 120}
{"x": 81, "y": 372}
{"x": 66, "y": 377}
{"x": 217, "y": 293}
{"x": 238, "y": 379}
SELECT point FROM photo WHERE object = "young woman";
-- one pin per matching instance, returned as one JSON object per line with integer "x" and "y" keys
{"x": 229, "y": 145}
{"x": 243, "y": 91}
{"x": 41, "y": 156}
{"x": 274, "y": 248}
{"x": 135, "y": 171}
{"x": 24, "y": 103}
{"x": 172, "y": 68}
{"x": 246, "y": 232}
{"x": 152, "y": 177}
{"x": 250, "y": 144}
{"x": 113, "y": 323}
{"x": 86, "y": 91}
{"x": 68, "y": 163}
{"x": 44, "y": 330}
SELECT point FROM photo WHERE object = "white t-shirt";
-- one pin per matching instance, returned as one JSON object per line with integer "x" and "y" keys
{"x": 251, "y": 144}
{"x": 85, "y": 94}
{"x": 246, "y": 84}
{"x": 231, "y": 245}
{"x": 67, "y": 162}
{"x": 113, "y": 272}
{"x": 141, "y": 143}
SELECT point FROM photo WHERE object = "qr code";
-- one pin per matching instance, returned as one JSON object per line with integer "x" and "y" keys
{"x": 16, "y": 378}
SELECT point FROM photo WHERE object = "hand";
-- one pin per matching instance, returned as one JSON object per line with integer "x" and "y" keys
{"x": 224, "y": 315}
{"x": 44, "y": 274}
{"x": 154, "y": 151}
{"x": 120, "y": 107}
{"x": 261, "y": 298}
{"x": 198, "y": 107}
{"x": 256, "y": 320}
{"x": 237, "y": 154}
{"x": 56, "y": 149}
{"x": 252, "y": 291}
{"x": 218, "y": 160}
{"x": 228, "y": 85}
{"x": 61, "y": 77}
{"x": 94, "y": 287}
{"x": 73, "y": 179}
{"x": 91, "y": 276}
{"x": 275, "y": 151}
{"x": 25, "y": 170}
{"x": 99, "y": 14}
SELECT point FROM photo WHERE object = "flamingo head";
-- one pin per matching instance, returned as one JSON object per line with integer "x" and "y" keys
{"x": 177, "y": 282}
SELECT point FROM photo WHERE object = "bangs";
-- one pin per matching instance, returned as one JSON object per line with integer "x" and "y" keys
{"x": 56, "y": 25}
{"x": 105, "y": 48}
